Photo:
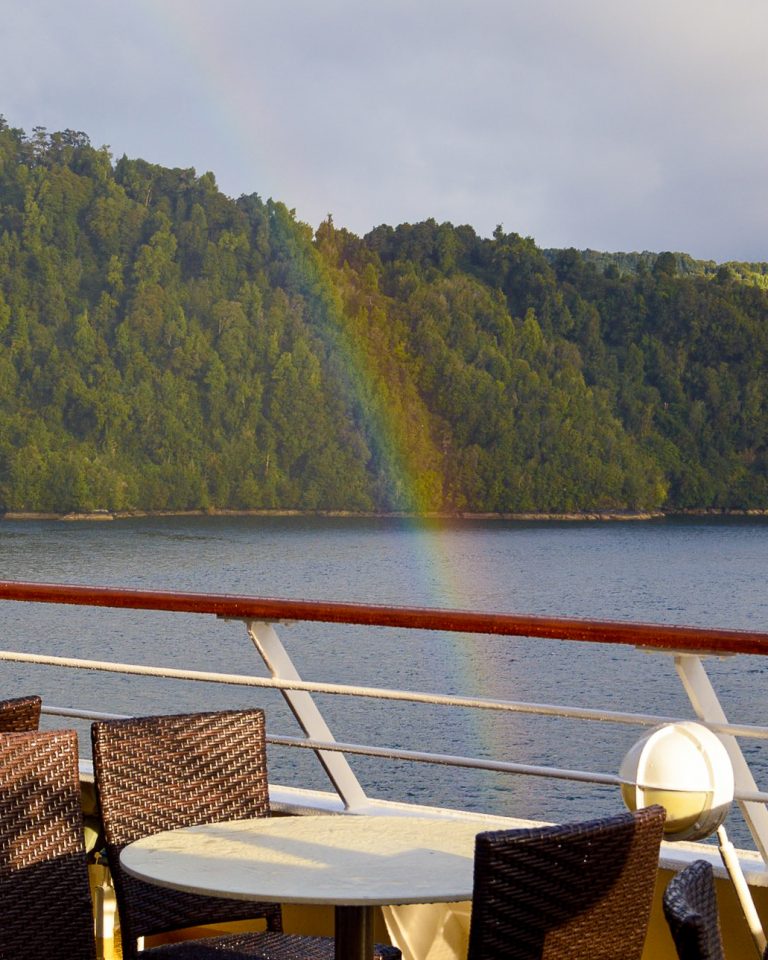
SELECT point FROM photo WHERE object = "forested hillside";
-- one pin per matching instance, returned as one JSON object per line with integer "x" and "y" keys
{"x": 163, "y": 347}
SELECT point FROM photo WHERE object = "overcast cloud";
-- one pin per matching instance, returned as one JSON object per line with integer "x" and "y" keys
{"x": 603, "y": 124}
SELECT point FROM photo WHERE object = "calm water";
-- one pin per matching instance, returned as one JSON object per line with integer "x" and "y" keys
{"x": 702, "y": 572}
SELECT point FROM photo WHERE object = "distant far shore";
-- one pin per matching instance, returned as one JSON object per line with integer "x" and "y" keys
{"x": 587, "y": 515}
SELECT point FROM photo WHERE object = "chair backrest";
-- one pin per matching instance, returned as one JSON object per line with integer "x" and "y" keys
{"x": 690, "y": 906}
{"x": 45, "y": 898}
{"x": 20, "y": 714}
{"x": 162, "y": 772}
{"x": 581, "y": 890}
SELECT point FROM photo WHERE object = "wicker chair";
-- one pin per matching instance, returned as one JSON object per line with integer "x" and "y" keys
{"x": 581, "y": 890}
{"x": 44, "y": 892}
{"x": 690, "y": 906}
{"x": 20, "y": 714}
{"x": 158, "y": 773}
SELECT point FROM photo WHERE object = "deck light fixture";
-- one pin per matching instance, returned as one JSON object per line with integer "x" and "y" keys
{"x": 684, "y": 767}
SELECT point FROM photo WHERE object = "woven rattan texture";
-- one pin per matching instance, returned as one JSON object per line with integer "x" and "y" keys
{"x": 690, "y": 906}
{"x": 158, "y": 773}
{"x": 46, "y": 901}
{"x": 581, "y": 891}
{"x": 20, "y": 714}
{"x": 269, "y": 946}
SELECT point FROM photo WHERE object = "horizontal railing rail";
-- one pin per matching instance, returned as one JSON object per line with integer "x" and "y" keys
{"x": 656, "y": 636}
{"x": 378, "y": 693}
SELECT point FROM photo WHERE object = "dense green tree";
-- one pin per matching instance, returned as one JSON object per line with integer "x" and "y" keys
{"x": 165, "y": 347}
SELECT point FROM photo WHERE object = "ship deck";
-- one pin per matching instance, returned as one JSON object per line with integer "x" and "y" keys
{"x": 685, "y": 650}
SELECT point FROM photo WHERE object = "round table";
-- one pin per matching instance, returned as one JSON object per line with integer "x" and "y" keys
{"x": 352, "y": 862}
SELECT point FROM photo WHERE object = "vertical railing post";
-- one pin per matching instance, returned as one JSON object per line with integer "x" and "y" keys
{"x": 708, "y": 708}
{"x": 304, "y": 708}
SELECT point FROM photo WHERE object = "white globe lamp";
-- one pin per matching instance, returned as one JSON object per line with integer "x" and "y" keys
{"x": 685, "y": 768}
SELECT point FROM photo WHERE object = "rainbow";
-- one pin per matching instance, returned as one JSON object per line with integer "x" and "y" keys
{"x": 243, "y": 116}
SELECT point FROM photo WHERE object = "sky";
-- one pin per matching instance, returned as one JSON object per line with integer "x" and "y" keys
{"x": 603, "y": 124}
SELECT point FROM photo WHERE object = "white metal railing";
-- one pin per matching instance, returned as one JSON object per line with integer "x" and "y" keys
{"x": 298, "y": 693}
{"x": 329, "y": 744}
{"x": 326, "y": 744}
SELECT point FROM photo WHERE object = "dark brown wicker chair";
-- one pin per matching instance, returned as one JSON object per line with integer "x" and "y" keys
{"x": 20, "y": 714}
{"x": 581, "y": 890}
{"x": 690, "y": 906}
{"x": 44, "y": 892}
{"x": 158, "y": 773}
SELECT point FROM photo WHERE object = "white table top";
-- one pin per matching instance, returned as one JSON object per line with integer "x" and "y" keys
{"x": 351, "y": 860}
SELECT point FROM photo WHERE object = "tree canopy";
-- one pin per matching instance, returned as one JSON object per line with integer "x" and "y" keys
{"x": 165, "y": 347}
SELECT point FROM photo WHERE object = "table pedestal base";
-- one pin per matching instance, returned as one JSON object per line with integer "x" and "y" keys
{"x": 354, "y": 933}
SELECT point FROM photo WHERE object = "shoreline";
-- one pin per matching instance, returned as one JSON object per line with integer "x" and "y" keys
{"x": 585, "y": 516}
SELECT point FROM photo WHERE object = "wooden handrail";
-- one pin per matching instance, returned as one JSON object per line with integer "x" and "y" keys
{"x": 656, "y": 636}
